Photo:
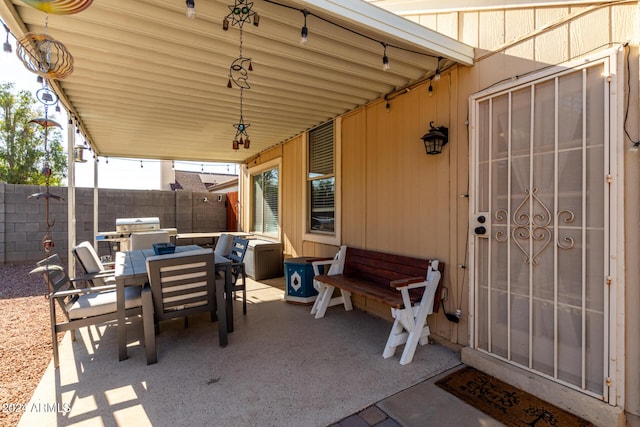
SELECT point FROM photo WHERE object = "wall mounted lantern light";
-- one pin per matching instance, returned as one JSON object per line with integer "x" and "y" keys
{"x": 435, "y": 139}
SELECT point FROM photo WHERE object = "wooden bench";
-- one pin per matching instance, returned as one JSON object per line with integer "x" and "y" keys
{"x": 407, "y": 285}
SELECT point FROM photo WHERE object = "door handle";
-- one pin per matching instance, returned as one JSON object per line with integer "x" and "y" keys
{"x": 479, "y": 224}
{"x": 480, "y": 230}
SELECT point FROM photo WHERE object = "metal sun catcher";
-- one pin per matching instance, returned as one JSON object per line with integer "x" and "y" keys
{"x": 239, "y": 72}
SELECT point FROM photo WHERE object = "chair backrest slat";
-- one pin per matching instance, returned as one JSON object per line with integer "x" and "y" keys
{"x": 182, "y": 283}
{"x": 238, "y": 249}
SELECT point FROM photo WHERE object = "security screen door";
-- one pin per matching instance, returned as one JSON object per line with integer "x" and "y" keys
{"x": 540, "y": 225}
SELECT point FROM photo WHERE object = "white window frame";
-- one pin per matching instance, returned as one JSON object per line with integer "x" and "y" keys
{"x": 325, "y": 238}
{"x": 273, "y": 164}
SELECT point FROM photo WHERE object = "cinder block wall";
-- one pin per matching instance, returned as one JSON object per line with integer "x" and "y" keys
{"x": 23, "y": 219}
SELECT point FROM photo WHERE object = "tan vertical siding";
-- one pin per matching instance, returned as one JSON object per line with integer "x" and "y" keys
{"x": 397, "y": 199}
{"x": 292, "y": 181}
{"x": 354, "y": 197}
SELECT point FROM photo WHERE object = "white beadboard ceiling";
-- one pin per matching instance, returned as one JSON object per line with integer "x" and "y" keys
{"x": 150, "y": 83}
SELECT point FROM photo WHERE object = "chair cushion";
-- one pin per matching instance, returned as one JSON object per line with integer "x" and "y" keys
{"x": 224, "y": 245}
{"x": 97, "y": 303}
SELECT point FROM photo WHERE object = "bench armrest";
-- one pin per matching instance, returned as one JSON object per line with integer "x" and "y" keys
{"x": 328, "y": 261}
{"x": 401, "y": 283}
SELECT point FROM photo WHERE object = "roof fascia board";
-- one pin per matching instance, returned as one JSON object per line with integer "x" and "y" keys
{"x": 11, "y": 17}
{"x": 419, "y": 7}
{"x": 380, "y": 20}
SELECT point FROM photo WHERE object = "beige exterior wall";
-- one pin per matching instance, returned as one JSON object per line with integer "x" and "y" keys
{"x": 397, "y": 199}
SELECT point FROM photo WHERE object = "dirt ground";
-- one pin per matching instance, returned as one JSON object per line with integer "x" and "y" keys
{"x": 25, "y": 338}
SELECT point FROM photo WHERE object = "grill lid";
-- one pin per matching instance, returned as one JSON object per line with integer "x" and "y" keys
{"x": 137, "y": 224}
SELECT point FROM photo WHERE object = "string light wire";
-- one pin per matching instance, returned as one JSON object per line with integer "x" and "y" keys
{"x": 350, "y": 30}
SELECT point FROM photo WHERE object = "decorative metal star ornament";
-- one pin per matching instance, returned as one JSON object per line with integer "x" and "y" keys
{"x": 240, "y": 13}
{"x": 241, "y": 128}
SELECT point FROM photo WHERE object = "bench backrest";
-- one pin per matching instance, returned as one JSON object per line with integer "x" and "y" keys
{"x": 382, "y": 268}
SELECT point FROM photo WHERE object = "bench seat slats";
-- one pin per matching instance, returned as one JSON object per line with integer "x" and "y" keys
{"x": 384, "y": 294}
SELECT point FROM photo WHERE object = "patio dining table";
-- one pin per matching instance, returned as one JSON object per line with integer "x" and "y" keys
{"x": 131, "y": 270}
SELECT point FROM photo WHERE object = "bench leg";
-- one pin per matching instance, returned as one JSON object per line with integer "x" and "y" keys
{"x": 407, "y": 330}
{"x": 346, "y": 300}
{"x": 323, "y": 300}
{"x": 319, "y": 286}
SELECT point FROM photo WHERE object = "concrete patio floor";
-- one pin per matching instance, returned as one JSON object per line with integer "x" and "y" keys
{"x": 282, "y": 367}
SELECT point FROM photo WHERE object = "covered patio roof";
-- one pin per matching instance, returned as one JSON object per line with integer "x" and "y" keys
{"x": 150, "y": 83}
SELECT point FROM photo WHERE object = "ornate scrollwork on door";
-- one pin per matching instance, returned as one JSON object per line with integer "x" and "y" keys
{"x": 532, "y": 220}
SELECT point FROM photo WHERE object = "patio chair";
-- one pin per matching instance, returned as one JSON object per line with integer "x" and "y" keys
{"x": 96, "y": 272}
{"x": 182, "y": 284}
{"x": 238, "y": 251}
{"x": 223, "y": 245}
{"x": 81, "y": 306}
{"x": 147, "y": 239}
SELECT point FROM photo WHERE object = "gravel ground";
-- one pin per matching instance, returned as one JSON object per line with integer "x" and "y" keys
{"x": 25, "y": 337}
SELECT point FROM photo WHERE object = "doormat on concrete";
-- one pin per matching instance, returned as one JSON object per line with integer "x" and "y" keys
{"x": 507, "y": 404}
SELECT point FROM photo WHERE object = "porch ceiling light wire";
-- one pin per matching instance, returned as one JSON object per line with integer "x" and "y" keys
{"x": 307, "y": 12}
{"x": 6, "y": 28}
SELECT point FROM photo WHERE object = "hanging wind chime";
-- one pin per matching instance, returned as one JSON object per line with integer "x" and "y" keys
{"x": 49, "y": 59}
{"x": 239, "y": 70}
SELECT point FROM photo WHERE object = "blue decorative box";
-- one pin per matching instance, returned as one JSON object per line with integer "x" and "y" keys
{"x": 164, "y": 248}
{"x": 299, "y": 279}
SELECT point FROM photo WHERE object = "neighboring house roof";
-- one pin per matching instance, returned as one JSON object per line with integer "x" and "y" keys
{"x": 202, "y": 182}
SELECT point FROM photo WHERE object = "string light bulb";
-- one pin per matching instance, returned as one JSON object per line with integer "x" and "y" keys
{"x": 7, "y": 46}
{"x": 304, "y": 32}
{"x": 430, "y": 90}
{"x": 436, "y": 77}
{"x": 141, "y": 166}
{"x": 191, "y": 9}
{"x": 385, "y": 58}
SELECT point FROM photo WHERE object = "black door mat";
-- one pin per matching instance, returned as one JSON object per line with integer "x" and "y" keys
{"x": 505, "y": 403}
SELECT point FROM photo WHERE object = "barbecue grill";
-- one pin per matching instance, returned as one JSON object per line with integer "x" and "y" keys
{"x": 125, "y": 226}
